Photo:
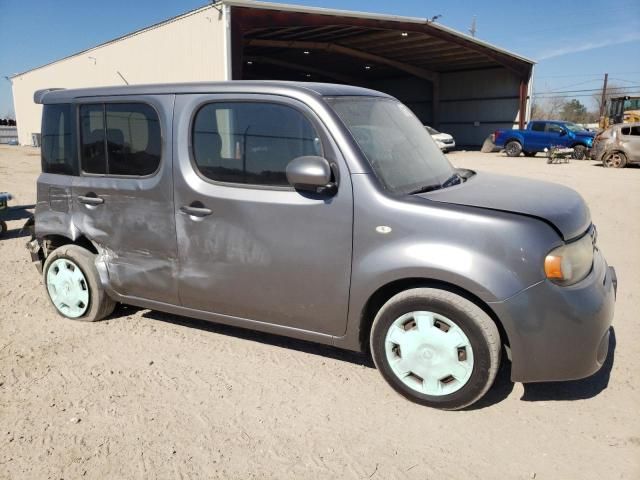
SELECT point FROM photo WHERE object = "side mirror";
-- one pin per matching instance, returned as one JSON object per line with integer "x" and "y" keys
{"x": 310, "y": 173}
{"x": 563, "y": 132}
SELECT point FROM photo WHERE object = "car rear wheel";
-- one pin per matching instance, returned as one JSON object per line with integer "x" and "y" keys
{"x": 614, "y": 160}
{"x": 73, "y": 284}
{"x": 436, "y": 348}
{"x": 513, "y": 148}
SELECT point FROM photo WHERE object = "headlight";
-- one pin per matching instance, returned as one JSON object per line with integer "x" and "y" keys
{"x": 570, "y": 263}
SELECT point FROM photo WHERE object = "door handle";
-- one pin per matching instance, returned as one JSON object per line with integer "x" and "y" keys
{"x": 90, "y": 199}
{"x": 196, "y": 211}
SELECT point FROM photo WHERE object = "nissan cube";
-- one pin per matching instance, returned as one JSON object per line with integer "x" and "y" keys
{"x": 321, "y": 212}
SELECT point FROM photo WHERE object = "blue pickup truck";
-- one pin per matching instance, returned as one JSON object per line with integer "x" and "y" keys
{"x": 541, "y": 134}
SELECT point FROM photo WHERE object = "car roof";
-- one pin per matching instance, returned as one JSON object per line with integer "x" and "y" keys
{"x": 632, "y": 124}
{"x": 265, "y": 87}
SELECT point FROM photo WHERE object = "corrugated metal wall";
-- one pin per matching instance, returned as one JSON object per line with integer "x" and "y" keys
{"x": 475, "y": 103}
{"x": 190, "y": 48}
{"x": 414, "y": 92}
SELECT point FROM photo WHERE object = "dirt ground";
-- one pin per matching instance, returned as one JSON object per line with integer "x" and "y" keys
{"x": 150, "y": 395}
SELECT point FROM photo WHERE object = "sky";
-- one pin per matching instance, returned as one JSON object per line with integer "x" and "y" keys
{"x": 574, "y": 43}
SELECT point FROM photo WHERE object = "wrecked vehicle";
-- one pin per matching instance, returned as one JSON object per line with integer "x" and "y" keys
{"x": 544, "y": 134}
{"x": 321, "y": 212}
{"x": 618, "y": 145}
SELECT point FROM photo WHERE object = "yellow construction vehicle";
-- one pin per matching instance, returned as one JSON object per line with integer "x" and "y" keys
{"x": 621, "y": 110}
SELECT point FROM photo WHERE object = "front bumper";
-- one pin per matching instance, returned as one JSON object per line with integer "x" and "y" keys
{"x": 560, "y": 333}
{"x": 446, "y": 146}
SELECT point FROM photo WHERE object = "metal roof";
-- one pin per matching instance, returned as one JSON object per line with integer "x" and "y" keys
{"x": 368, "y": 15}
{"x": 279, "y": 7}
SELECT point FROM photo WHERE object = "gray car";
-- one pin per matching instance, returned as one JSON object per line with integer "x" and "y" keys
{"x": 320, "y": 212}
{"x": 618, "y": 145}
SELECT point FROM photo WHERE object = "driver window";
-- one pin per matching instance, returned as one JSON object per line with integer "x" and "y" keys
{"x": 553, "y": 128}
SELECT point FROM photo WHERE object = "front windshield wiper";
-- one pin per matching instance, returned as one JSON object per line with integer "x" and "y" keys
{"x": 426, "y": 188}
{"x": 454, "y": 179}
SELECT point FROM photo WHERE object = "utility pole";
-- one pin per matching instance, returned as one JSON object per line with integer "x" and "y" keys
{"x": 603, "y": 100}
{"x": 472, "y": 30}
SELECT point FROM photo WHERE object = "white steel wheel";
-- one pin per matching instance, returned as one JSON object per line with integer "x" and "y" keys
{"x": 435, "y": 347}
{"x": 68, "y": 288}
{"x": 73, "y": 284}
{"x": 429, "y": 353}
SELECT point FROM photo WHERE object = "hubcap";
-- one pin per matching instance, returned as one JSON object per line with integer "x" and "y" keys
{"x": 68, "y": 288}
{"x": 429, "y": 353}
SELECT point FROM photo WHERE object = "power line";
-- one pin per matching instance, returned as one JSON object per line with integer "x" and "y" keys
{"x": 623, "y": 80}
{"x": 586, "y": 90}
{"x": 585, "y": 74}
{"x": 580, "y": 95}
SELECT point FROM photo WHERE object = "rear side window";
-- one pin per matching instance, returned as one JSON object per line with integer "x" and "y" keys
{"x": 537, "y": 127}
{"x": 251, "y": 143}
{"x": 92, "y": 150}
{"x": 120, "y": 139}
{"x": 58, "y": 140}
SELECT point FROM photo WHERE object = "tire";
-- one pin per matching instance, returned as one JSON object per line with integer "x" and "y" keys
{"x": 614, "y": 160}
{"x": 579, "y": 152}
{"x": 513, "y": 148}
{"x": 475, "y": 364}
{"x": 529, "y": 154}
{"x": 91, "y": 302}
{"x": 3, "y": 227}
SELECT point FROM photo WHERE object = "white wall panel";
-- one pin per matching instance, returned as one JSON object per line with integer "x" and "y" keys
{"x": 189, "y": 48}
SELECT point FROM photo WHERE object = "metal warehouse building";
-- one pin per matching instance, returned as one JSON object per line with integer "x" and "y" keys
{"x": 452, "y": 81}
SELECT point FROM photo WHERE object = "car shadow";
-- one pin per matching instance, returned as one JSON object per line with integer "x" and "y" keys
{"x": 629, "y": 165}
{"x": 15, "y": 233}
{"x": 501, "y": 388}
{"x": 251, "y": 335}
{"x": 17, "y": 212}
{"x": 575, "y": 389}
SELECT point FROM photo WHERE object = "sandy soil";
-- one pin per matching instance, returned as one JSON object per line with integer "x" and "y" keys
{"x": 150, "y": 395}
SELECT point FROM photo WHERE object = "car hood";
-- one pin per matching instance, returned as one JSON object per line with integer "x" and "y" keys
{"x": 442, "y": 136}
{"x": 585, "y": 133}
{"x": 560, "y": 206}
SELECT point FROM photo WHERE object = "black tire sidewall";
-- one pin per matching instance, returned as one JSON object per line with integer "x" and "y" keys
{"x": 481, "y": 354}
{"x": 83, "y": 259}
{"x": 579, "y": 152}
{"x": 519, "y": 148}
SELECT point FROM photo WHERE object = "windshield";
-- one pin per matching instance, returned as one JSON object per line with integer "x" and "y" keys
{"x": 632, "y": 104}
{"x": 401, "y": 152}
{"x": 574, "y": 127}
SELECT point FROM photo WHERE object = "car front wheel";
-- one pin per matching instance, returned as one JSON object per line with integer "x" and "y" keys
{"x": 436, "y": 348}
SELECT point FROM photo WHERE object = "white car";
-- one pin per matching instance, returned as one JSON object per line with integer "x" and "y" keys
{"x": 444, "y": 141}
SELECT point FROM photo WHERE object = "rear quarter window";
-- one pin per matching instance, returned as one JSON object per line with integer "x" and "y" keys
{"x": 58, "y": 148}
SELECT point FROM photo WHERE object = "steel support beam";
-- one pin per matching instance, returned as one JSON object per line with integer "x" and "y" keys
{"x": 350, "y": 52}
